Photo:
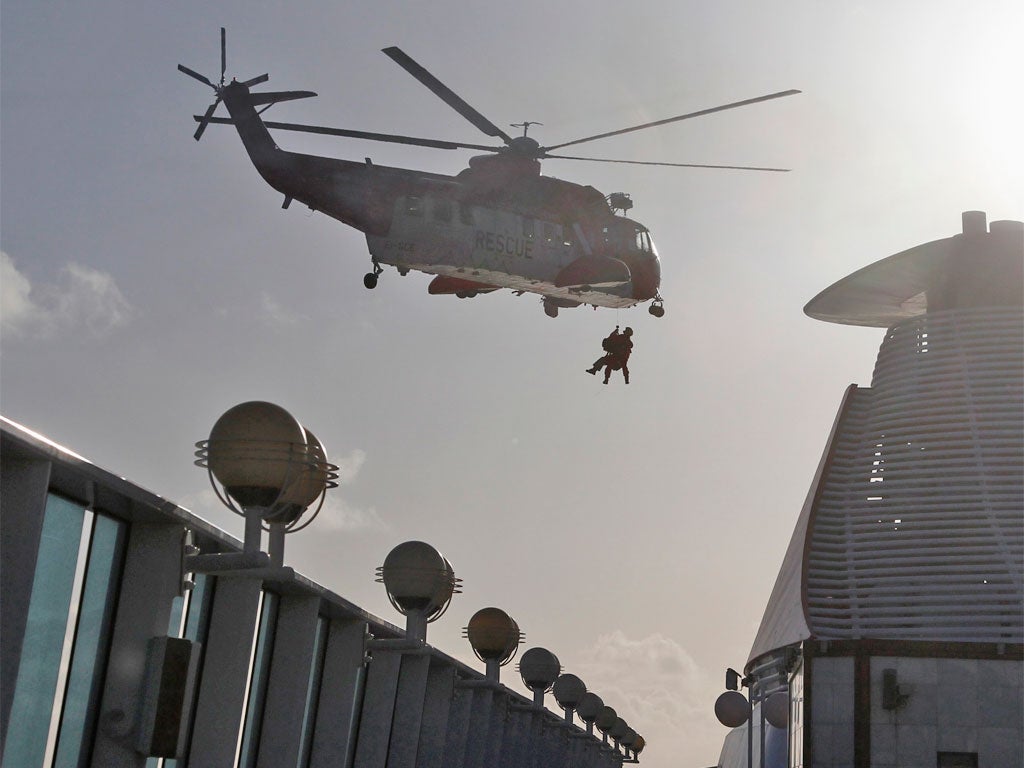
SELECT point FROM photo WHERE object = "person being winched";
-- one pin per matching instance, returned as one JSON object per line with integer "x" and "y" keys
{"x": 617, "y": 347}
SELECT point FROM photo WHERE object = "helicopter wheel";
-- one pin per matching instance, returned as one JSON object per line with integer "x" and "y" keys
{"x": 370, "y": 280}
{"x": 657, "y": 309}
{"x": 550, "y": 309}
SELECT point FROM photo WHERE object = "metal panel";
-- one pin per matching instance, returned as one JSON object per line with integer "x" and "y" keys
{"x": 480, "y": 723}
{"x": 150, "y": 582}
{"x": 225, "y": 673}
{"x": 340, "y": 695}
{"x": 784, "y": 621}
{"x": 281, "y": 735}
{"x": 437, "y": 703}
{"x": 378, "y": 709}
{"x": 408, "y": 717}
{"x": 497, "y": 732}
{"x": 458, "y": 725}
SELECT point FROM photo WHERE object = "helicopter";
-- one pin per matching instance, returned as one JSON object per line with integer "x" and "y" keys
{"x": 497, "y": 224}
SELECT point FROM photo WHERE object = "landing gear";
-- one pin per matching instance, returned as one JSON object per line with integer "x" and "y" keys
{"x": 657, "y": 307}
{"x": 550, "y": 308}
{"x": 370, "y": 278}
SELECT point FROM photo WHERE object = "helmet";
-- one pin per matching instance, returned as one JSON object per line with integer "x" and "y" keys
{"x": 628, "y": 331}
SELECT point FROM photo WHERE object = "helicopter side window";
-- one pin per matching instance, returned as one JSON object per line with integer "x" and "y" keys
{"x": 550, "y": 232}
{"x": 466, "y": 214}
{"x": 529, "y": 227}
{"x": 442, "y": 210}
{"x": 641, "y": 242}
{"x": 414, "y": 206}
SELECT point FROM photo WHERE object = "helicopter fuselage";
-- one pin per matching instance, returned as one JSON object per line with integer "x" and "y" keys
{"x": 498, "y": 224}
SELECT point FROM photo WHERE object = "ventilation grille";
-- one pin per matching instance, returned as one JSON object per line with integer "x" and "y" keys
{"x": 918, "y": 533}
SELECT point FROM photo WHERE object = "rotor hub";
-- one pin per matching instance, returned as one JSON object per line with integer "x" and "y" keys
{"x": 524, "y": 146}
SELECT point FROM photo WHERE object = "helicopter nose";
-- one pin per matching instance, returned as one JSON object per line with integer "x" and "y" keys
{"x": 646, "y": 271}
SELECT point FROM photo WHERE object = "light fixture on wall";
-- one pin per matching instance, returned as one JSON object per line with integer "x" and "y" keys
{"x": 266, "y": 467}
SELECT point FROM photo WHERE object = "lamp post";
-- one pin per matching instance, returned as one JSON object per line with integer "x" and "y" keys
{"x": 606, "y": 718}
{"x": 495, "y": 638}
{"x": 539, "y": 669}
{"x": 588, "y": 708}
{"x": 420, "y": 583}
{"x": 266, "y": 467}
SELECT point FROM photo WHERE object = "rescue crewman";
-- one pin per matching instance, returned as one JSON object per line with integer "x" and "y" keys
{"x": 618, "y": 347}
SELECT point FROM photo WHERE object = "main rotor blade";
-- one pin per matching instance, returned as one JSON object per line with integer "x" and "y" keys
{"x": 273, "y": 97}
{"x": 445, "y": 93}
{"x": 205, "y": 119}
{"x": 223, "y": 54}
{"x": 687, "y": 116}
{"x": 196, "y": 75}
{"x": 256, "y": 81}
{"x": 672, "y": 165}
{"x": 386, "y": 137}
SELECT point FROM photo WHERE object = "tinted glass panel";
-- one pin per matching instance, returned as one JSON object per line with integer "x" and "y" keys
{"x": 45, "y": 629}
{"x": 92, "y": 639}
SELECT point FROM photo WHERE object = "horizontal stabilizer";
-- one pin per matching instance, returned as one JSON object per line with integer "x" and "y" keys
{"x": 595, "y": 272}
{"x": 442, "y": 284}
{"x": 272, "y": 97}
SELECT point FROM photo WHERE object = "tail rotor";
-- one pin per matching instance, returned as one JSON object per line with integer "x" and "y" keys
{"x": 219, "y": 87}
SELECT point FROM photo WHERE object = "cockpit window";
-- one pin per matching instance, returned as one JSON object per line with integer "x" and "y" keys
{"x": 643, "y": 241}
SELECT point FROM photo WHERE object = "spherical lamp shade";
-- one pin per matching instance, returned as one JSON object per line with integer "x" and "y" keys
{"x": 629, "y": 738}
{"x": 418, "y": 578}
{"x": 569, "y": 690}
{"x": 314, "y": 478}
{"x": 639, "y": 744}
{"x": 589, "y": 706}
{"x": 606, "y": 718}
{"x": 619, "y": 729}
{"x": 494, "y": 635}
{"x": 732, "y": 709}
{"x": 776, "y": 709}
{"x": 539, "y": 669}
{"x": 255, "y": 451}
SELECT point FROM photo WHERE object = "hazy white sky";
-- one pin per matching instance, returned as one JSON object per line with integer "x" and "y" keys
{"x": 150, "y": 283}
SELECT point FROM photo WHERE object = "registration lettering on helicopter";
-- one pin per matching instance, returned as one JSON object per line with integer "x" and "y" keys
{"x": 495, "y": 242}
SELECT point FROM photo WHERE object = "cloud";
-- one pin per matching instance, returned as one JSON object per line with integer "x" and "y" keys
{"x": 275, "y": 314}
{"x": 349, "y": 466}
{"x": 338, "y": 515}
{"x": 81, "y": 298}
{"x": 657, "y": 687}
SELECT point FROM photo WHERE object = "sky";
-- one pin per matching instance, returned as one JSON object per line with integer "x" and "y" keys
{"x": 149, "y": 283}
